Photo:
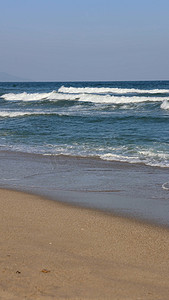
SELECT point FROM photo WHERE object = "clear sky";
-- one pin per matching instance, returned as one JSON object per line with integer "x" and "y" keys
{"x": 71, "y": 40}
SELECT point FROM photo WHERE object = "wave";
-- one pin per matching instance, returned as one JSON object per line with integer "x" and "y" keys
{"x": 148, "y": 160}
{"x": 24, "y": 96}
{"x": 144, "y": 157}
{"x": 150, "y": 156}
{"x": 38, "y": 96}
{"x": 118, "y": 100}
{"x": 165, "y": 105}
{"x": 15, "y": 114}
{"x": 102, "y": 99}
{"x": 102, "y": 90}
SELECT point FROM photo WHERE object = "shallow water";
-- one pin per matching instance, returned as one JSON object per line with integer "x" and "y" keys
{"x": 132, "y": 190}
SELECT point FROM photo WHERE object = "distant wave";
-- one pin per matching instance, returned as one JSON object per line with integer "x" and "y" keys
{"x": 118, "y": 99}
{"x": 15, "y": 114}
{"x": 94, "y": 98}
{"x": 102, "y": 90}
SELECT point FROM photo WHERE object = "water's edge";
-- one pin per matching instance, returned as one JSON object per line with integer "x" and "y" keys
{"x": 130, "y": 190}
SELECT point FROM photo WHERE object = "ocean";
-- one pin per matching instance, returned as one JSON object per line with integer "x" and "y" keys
{"x": 122, "y": 121}
{"x": 120, "y": 125}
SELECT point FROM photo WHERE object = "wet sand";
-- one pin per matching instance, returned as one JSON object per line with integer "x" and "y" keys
{"x": 51, "y": 250}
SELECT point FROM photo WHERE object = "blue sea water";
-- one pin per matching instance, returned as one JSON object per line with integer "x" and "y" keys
{"x": 117, "y": 121}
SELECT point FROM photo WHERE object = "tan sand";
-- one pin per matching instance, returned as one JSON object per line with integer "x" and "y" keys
{"x": 54, "y": 251}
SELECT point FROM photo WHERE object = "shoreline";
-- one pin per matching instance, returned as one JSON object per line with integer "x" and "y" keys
{"x": 130, "y": 190}
{"x": 51, "y": 250}
{"x": 96, "y": 158}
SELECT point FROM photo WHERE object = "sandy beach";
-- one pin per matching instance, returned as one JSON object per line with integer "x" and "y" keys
{"x": 54, "y": 251}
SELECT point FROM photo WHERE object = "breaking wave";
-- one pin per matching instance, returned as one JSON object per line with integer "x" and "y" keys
{"x": 93, "y": 98}
{"x": 38, "y": 96}
{"x": 103, "y": 90}
{"x": 118, "y": 99}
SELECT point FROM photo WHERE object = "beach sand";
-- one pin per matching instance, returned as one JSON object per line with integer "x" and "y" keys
{"x": 50, "y": 250}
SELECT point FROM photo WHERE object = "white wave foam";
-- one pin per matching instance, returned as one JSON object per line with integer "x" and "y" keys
{"x": 165, "y": 104}
{"x": 15, "y": 114}
{"x": 117, "y": 99}
{"x": 102, "y": 99}
{"x": 24, "y": 96}
{"x": 118, "y": 157}
{"x": 147, "y": 157}
{"x": 61, "y": 96}
{"x": 102, "y": 90}
{"x": 149, "y": 161}
{"x": 38, "y": 96}
{"x": 120, "y": 154}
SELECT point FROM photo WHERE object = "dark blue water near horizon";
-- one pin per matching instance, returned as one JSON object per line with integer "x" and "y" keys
{"x": 114, "y": 121}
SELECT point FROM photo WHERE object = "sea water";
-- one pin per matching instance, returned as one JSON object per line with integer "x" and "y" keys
{"x": 102, "y": 122}
{"x": 122, "y": 121}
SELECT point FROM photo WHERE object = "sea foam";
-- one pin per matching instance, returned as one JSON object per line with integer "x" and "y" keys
{"x": 15, "y": 114}
{"x": 24, "y": 96}
{"x": 118, "y": 99}
{"x": 165, "y": 104}
{"x": 38, "y": 96}
{"x": 94, "y": 98}
{"x": 105, "y": 90}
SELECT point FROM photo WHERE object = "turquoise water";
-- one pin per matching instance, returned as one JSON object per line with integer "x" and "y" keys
{"x": 117, "y": 121}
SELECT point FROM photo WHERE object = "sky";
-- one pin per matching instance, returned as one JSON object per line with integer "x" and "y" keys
{"x": 91, "y": 40}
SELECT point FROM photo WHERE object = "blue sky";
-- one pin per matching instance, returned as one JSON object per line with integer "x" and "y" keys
{"x": 85, "y": 40}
